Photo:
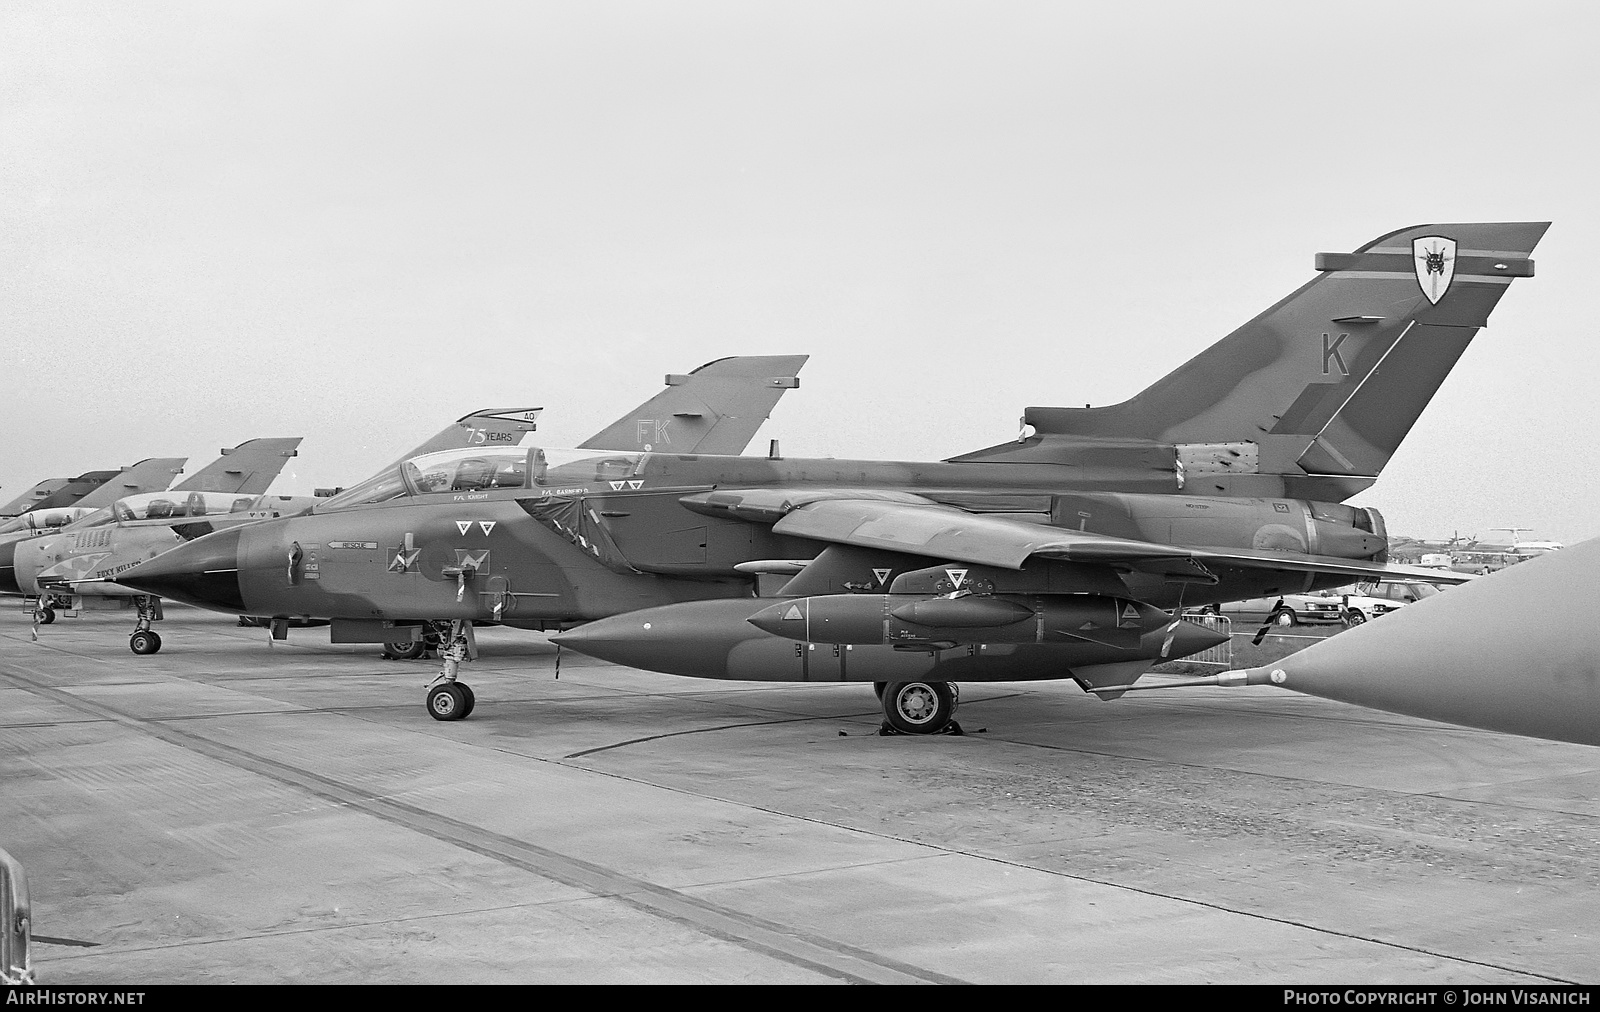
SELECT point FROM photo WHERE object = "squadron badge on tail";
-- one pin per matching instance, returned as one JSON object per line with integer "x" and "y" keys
{"x": 1436, "y": 264}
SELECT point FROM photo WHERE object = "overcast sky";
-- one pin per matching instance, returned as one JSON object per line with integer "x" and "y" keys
{"x": 356, "y": 221}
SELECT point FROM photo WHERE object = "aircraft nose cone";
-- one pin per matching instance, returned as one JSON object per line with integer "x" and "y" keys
{"x": 8, "y": 568}
{"x": 204, "y": 572}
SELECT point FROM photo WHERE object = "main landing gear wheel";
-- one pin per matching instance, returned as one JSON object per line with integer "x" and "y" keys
{"x": 449, "y": 701}
{"x": 404, "y": 651}
{"x": 44, "y": 616}
{"x": 472, "y": 700}
{"x": 920, "y": 707}
{"x": 144, "y": 641}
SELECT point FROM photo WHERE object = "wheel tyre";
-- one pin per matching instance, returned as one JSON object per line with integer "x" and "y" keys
{"x": 919, "y": 707}
{"x": 877, "y": 689}
{"x": 472, "y": 699}
{"x": 144, "y": 642}
{"x": 45, "y": 615}
{"x": 1354, "y": 617}
{"x": 404, "y": 651}
{"x": 1284, "y": 617}
{"x": 447, "y": 702}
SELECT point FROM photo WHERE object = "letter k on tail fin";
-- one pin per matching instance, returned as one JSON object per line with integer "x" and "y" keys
{"x": 1312, "y": 397}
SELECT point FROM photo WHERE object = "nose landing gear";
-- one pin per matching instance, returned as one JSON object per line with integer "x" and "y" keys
{"x": 144, "y": 639}
{"x": 449, "y": 699}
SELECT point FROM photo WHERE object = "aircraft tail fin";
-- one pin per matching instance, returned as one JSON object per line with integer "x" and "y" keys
{"x": 715, "y": 409}
{"x": 30, "y": 499}
{"x": 1318, "y": 391}
{"x": 55, "y": 493}
{"x": 485, "y": 427}
{"x": 152, "y": 474}
{"x": 247, "y": 469}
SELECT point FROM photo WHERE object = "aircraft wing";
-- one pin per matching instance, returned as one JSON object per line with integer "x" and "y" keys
{"x": 906, "y": 523}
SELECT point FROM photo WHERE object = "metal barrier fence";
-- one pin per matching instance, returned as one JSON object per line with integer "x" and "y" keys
{"x": 16, "y": 923}
{"x": 1222, "y": 653}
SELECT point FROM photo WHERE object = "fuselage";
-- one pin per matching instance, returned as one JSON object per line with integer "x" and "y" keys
{"x": 549, "y": 539}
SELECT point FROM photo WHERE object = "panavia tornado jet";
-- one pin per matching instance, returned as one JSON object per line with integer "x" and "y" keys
{"x": 60, "y": 569}
{"x": 721, "y": 405}
{"x": 54, "y": 495}
{"x": 72, "y": 568}
{"x": 150, "y": 475}
{"x": 1066, "y": 553}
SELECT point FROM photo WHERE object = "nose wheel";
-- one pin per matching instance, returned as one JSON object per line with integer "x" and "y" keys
{"x": 451, "y": 701}
{"x": 44, "y": 616}
{"x": 920, "y": 708}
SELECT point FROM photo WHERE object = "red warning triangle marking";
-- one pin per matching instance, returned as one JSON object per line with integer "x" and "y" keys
{"x": 793, "y": 612}
{"x": 882, "y": 575}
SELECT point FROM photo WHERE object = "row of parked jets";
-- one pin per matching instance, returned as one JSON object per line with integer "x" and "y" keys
{"x": 1071, "y": 551}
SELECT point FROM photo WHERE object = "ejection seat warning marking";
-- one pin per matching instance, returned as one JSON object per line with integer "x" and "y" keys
{"x": 370, "y": 546}
{"x": 957, "y": 577}
{"x": 486, "y": 526}
{"x": 463, "y": 525}
{"x": 618, "y": 486}
{"x": 882, "y": 575}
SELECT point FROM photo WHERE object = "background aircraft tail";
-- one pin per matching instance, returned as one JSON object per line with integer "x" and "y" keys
{"x": 54, "y": 493}
{"x": 1313, "y": 396}
{"x": 716, "y": 409}
{"x": 247, "y": 469}
{"x": 152, "y": 474}
{"x": 484, "y": 427}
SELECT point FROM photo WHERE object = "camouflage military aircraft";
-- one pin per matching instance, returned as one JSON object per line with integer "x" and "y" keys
{"x": 149, "y": 475}
{"x": 721, "y": 405}
{"x": 66, "y": 493}
{"x": 1057, "y": 555}
{"x": 53, "y": 568}
{"x": 1514, "y": 651}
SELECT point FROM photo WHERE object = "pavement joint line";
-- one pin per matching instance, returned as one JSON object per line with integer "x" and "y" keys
{"x": 797, "y": 947}
{"x": 701, "y": 730}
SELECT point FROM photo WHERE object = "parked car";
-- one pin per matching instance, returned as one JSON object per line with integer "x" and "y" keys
{"x": 1366, "y": 601}
{"x": 1322, "y": 608}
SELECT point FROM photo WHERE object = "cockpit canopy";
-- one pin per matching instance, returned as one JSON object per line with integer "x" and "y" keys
{"x": 476, "y": 469}
{"x": 45, "y": 519}
{"x": 169, "y": 505}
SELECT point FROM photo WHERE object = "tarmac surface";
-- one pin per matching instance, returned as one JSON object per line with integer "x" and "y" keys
{"x": 230, "y": 811}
